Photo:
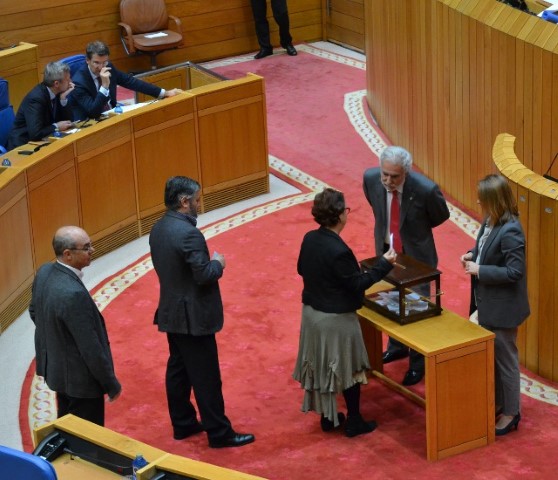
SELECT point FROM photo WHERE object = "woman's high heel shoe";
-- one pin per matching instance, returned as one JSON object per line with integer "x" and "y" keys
{"x": 514, "y": 423}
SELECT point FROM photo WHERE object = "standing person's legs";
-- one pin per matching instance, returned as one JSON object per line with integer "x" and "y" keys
{"x": 281, "y": 16}
{"x": 259, "y": 10}
{"x": 181, "y": 410}
{"x": 507, "y": 374}
{"x": 201, "y": 361}
{"x": 92, "y": 409}
{"x": 355, "y": 424}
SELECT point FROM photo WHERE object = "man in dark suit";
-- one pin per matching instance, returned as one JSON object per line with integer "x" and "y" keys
{"x": 421, "y": 208}
{"x": 190, "y": 312}
{"x": 97, "y": 80}
{"x": 45, "y": 109}
{"x": 281, "y": 16}
{"x": 71, "y": 341}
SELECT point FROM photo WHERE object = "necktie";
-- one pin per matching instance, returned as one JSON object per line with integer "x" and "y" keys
{"x": 53, "y": 102}
{"x": 394, "y": 222}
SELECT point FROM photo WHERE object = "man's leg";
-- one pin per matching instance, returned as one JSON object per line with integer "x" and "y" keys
{"x": 92, "y": 409}
{"x": 202, "y": 365}
{"x": 281, "y": 16}
{"x": 182, "y": 412}
{"x": 259, "y": 10}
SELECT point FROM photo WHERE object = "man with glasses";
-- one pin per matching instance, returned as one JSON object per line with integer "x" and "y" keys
{"x": 71, "y": 342}
{"x": 97, "y": 80}
{"x": 406, "y": 206}
{"x": 190, "y": 312}
{"x": 45, "y": 109}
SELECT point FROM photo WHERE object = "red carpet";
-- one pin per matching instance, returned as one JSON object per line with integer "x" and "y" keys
{"x": 309, "y": 129}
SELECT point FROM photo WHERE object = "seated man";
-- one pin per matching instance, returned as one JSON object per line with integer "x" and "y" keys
{"x": 97, "y": 80}
{"x": 45, "y": 109}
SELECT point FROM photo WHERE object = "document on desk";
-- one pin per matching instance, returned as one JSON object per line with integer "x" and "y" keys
{"x": 126, "y": 108}
{"x": 156, "y": 35}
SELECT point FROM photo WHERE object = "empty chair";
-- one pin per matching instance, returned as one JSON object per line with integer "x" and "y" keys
{"x": 144, "y": 28}
{"x": 16, "y": 465}
{"x": 75, "y": 62}
{"x": 6, "y": 115}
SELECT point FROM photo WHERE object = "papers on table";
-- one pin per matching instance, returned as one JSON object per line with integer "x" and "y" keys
{"x": 126, "y": 108}
{"x": 156, "y": 35}
{"x": 390, "y": 300}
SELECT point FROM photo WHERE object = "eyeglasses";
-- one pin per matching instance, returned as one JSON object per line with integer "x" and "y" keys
{"x": 100, "y": 64}
{"x": 86, "y": 248}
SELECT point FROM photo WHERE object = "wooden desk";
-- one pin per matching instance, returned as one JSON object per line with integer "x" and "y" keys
{"x": 87, "y": 438}
{"x": 109, "y": 178}
{"x": 20, "y": 67}
{"x": 459, "y": 376}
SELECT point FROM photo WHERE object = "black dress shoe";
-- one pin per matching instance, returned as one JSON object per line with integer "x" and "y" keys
{"x": 182, "y": 433}
{"x": 388, "y": 356}
{"x": 291, "y": 50}
{"x": 327, "y": 425}
{"x": 514, "y": 423}
{"x": 235, "y": 440}
{"x": 412, "y": 377}
{"x": 356, "y": 425}
{"x": 264, "y": 52}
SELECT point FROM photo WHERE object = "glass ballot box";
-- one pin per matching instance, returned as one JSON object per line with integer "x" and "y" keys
{"x": 413, "y": 293}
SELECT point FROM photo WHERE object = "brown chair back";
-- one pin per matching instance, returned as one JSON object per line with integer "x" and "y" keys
{"x": 144, "y": 16}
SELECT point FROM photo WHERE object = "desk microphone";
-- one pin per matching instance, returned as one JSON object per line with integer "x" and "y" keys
{"x": 546, "y": 175}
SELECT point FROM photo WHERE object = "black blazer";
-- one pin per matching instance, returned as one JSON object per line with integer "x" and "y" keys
{"x": 35, "y": 118}
{"x": 501, "y": 287}
{"x": 333, "y": 281}
{"x": 71, "y": 341}
{"x": 88, "y": 102}
{"x": 189, "y": 296}
{"x": 423, "y": 207}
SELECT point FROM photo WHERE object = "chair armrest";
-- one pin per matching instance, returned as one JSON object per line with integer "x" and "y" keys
{"x": 126, "y": 36}
{"x": 177, "y": 22}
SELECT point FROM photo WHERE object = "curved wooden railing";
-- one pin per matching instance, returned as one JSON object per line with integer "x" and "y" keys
{"x": 537, "y": 198}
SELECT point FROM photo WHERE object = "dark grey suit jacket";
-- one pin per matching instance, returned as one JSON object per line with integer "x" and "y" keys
{"x": 88, "y": 102}
{"x": 71, "y": 341}
{"x": 423, "y": 207}
{"x": 35, "y": 117}
{"x": 501, "y": 287}
{"x": 189, "y": 297}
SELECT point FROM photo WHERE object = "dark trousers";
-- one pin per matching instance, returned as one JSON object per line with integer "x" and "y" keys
{"x": 194, "y": 365}
{"x": 281, "y": 16}
{"x": 92, "y": 409}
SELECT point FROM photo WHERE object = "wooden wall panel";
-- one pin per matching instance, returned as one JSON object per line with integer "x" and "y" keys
{"x": 19, "y": 66}
{"x": 345, "y": 22}
{"x": 447, "y": 78}
{"x": 222, "y": 115}
{"x": 16, "y": 268}
{"x": 212, "y": 29}
{"x": 53, "y": 199}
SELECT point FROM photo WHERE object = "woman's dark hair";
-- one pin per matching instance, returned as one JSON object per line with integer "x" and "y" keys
{"x": 496, "y": 199}
{"x": 177, "y": 188}
{"x": 328, "y": 205}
